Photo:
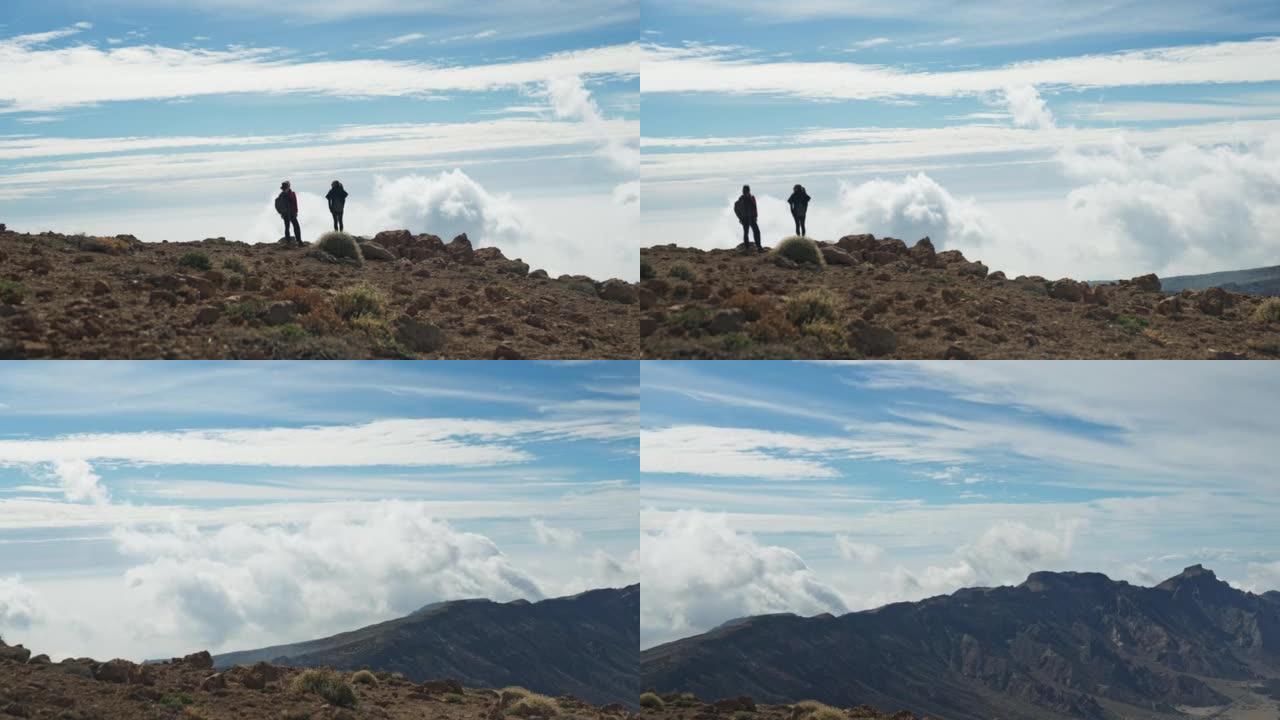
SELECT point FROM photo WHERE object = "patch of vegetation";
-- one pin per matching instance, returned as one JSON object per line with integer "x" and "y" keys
{"x": 234, "y": 265}
{"x": 683, "y": 271}
{"x": 534, "y": 705}
{"x": 327, "y": 684}
{"x": 732, "y": 342}
{"x": 12, "y": 292}
{"x": 810, "y": 306}
{"x": 453, "y": 698}
{"x": 647, "y": 271}
{"x": 340, "y": 245}
{"x": 292, "y": 332}
{"x": 652, "y": 701}
{"x": 195, "y": 260}
{"x": 304, "y": 299}
{"x": 690, "y": 318}
{"x": 510, "y": 694}
{"x": 364, "y": 677}
{"x": 773, "y": 327}
{"x": 1131, "y": 323}
{"x": 681, "y": 291}
{"x": 814, "y": 710}
{"x": 801, "y": 250}
{"x": 753, "y": 307}
{"x": 246, "y": 309}
{"x": 177, "y": 700}
{"x": 1268, "y": 311}
{"x": 358, "y": 301}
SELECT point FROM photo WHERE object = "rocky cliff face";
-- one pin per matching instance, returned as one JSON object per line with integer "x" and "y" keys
{"x": 1058, "y": 645}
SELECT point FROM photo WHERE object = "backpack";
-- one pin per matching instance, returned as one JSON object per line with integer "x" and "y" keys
{"x": 740, "y": 208}
{"x": 282, "y": 204}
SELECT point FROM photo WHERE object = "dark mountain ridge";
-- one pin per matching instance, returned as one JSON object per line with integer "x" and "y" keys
{"x": 1058, "y": 645}
{"x": 583, "y": 645}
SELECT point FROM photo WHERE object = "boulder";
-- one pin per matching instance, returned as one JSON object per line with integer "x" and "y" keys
{"x": 1067, "y": 289}
{"x": 975, "y": 269}
{"x": 506, "y": 352}
{"x": 880, "y": 257}
{"x": 618, "y": 291}
{"x": 950, "y": 257}
{"x": 1146, "y": 283}
{"x": 418, "y": 336}
{"x": 726, "y": 321}
{"x": 1213, "y": 301}
{"x": 857, "y": 244}
{"x": 489, "y": 253}
{"x": 923, "y": 253}
{"x": 123, "y": 671}
{"x": 835, "y": 256}
{"x": 1169, "y": 306}
{"x": 873, "y": 340}
{"x": 279, "y": 313}
{"x": 373, "y": 251}
{"x": 217, "y": 681}
{"x": 207, "y": 315}
{"x": 445, "y": 686}
{"x": 891, "y": 245}
{"x": 16, "y": 653}
{"x": 393, "y": 238}
{"x": 260, "y": 675}
{"x": 460, "y": 248}
{"x": 512, "y": 267}
{"x": 202, "y": 660}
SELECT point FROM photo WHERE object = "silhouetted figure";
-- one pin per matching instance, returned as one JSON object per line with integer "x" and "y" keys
{"x": 799, "y": 202}
{"x": 287, "y": 206}
{"x": 745, "y": 209}
{"x": 337, "y": 198}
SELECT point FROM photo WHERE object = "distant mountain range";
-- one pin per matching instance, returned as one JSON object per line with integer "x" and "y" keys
{"x": 585, "y": 645}
{"x": 1257, "y": 281}
{"x": 1060, "y": 645}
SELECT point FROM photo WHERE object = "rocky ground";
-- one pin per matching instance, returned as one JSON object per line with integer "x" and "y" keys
{"x": 877, "y": 297}
{"x": 686, "y": 706}
{"x": 412, "y": 297}
{"x": 189, "y": 689}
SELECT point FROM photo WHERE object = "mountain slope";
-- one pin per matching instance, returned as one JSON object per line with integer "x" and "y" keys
{"x": 1256, "y": 281}
{"x": 585, "y": 645}
{"x": 1058, "y": 645}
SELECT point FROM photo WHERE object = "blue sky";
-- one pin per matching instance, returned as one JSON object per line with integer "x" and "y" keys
{"x": 1093, "y": 139}
{"x": 179, "y": 121}
{"x": 809, "y": 488}
{"x": 228, "y": 505}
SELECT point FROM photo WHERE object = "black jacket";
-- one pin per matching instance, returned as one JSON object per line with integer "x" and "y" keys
{"x": 799, "y": 201}
{"x": 337, "y": 198}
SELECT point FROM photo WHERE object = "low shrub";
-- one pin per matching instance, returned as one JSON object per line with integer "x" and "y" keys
{"x": 234, "y": 265}
{"x": 364, "y": 677}
{"x": 12, "y": 292}
{"x": 647, "y": 271}
{"x": 360, "y": 301}
{"x": 801, "y": 250}
{"x": 683, "y": 271}
{"x": 341, "y": 245}
{"x": 534, "y": 705}
{"x": 195, "y": 260}
{"x": 651, "y": 701}
{"x": 327, "y": 684}
{"x": 1268, "y": 311}
{"x": 811, "y": 306}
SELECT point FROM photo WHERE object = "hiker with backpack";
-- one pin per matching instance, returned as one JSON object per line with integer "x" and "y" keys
{"x": 287, "y": 206}
{"x": 337, "y": 198}
{"x": 799, "y": 202}
{"x": 745, "y": 209}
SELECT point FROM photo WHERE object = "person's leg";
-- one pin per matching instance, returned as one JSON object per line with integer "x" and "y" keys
{"x": 755, "y": 230}
{"x": 744, "y": 233}
{"x": 297, "y": 229}
{"x": 804, "y": 231}
{"x": 335, "y": 219}
{"x": 795, "y": 218}
{"x": 341, "y": 225}
{"x": 286, "y": 226}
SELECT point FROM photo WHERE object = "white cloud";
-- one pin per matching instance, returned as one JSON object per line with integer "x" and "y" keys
{"x": 1027, "y": 107}
{"x": 402, "y": 40}
{"x": 698, "y": 572}
{"x": 563, "y": 538}
{"x": 858, "y": 552}
{"x": 257, "y": 585}
{"x": 869, "y": 43}
{"x": 42, "y": 79}
{"x": 19, "y": 606}
{"x": 79, "y": 481}
{"x": 698, "y": 69}
{"x": 733, "y": 452}
{"x": 570, "y": 99}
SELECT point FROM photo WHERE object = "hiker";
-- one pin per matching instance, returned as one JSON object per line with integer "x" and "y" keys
{"x": 337, "y": 198}
{"x": 799, "y": 202}
{"x": 745, "y": 209}
{"x": 287, "y": 206}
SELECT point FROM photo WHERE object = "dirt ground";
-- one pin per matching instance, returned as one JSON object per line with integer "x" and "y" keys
{"x": 114, "y": 298}
{"x": 685, "y": 706}
{"x": 189, "y": 689}
{"x": 875, "y": 297}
